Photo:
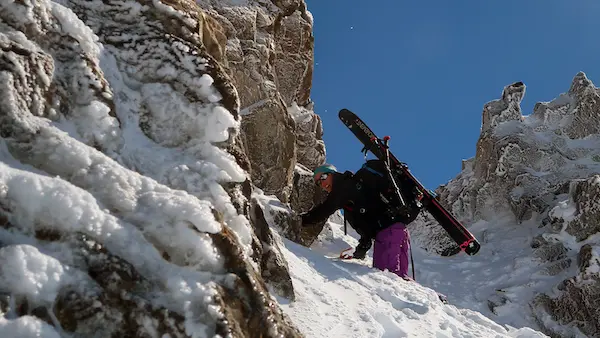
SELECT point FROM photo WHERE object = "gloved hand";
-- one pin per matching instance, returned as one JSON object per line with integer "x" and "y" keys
{"x": 304, "y": 224}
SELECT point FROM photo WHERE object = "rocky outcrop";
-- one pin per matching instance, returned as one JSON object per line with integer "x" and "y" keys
{"x": 576, "y": 302}
{"x": 523, "y": 162}
{"x": 269, "y": 54}
{"x": 310, "y": 147}
{"x": 271, "y": 147}
{"x": 585, "y": 119}
{"x": 274, "y": 268}
{"x": 538, "y": 167}
{"x": 586, "y": 221}
{"x": 123, "y": 174}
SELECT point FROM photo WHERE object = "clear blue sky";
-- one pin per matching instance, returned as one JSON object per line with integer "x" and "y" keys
{"x": 421, "y": 71}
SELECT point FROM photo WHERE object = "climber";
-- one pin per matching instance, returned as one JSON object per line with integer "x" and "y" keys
{"x": 372, "y": 208}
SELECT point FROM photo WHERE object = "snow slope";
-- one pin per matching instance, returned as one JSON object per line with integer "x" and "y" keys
{"x": 350, "y": 299}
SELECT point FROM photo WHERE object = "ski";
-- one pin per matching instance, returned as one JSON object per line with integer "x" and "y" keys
{"x": 378, "y": 147}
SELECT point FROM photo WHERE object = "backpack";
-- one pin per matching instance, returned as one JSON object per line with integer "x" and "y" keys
{"x": 376, "y": 195}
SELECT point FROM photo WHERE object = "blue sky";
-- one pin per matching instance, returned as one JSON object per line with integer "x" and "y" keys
{"x": 421, "y": 71}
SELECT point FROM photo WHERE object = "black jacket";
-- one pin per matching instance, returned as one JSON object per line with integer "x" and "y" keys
{"x": 363, "y": 209}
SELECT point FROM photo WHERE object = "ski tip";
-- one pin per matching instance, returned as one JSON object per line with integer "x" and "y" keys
{"x": 345, "y": 115}
{"x": 346, "y": 111}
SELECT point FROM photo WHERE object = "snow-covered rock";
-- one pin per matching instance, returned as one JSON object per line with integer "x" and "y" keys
{"x": 536, "y": 169}
{"x": 575, "y": 228}
{"x": 269, "y": 54}
{"x": 124, "y": 203}
{"x": 523, "y": 162}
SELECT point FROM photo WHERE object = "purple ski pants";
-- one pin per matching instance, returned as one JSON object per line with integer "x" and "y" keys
{"x": 391, "y": 249}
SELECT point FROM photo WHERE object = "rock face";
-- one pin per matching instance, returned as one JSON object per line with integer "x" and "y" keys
{"x": 537, "y": 167}
{"x": 124, "y": 174}
{"x": 576, "y": 304}
{"x": 268, "y": 53}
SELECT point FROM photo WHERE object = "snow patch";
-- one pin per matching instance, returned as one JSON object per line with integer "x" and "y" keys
{"x": 71, "y": 25}
{"x": 594, "y": 268}
{"x": 299, "y": 114}
{"x": 26, "y": 271}
{"x": 511, "y": 153}
{"x": 175, "y": 119}
{"x": 190, "y": 22}
{"x": 26, "y": 326}
{"x": 198, "y": 167}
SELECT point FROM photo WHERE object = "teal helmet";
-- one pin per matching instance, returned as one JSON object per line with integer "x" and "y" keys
{"x": 325, "y": 168}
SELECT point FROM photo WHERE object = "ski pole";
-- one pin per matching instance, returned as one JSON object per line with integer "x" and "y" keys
{"x": 389, "y": 170}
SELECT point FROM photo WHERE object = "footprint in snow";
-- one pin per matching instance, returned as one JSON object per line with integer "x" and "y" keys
{"x": 391, "y": 328}
{"x": 400, "y": 304}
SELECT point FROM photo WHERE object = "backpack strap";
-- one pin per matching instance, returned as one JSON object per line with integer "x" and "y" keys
{"x": 365, "y": 166}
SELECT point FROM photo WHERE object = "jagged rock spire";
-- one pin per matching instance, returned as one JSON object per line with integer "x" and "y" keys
{"x": 504, "y": 109}
{"x": 580, "y": 85}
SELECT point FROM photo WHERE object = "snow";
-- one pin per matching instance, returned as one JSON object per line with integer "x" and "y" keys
{"x": 198, "y": 168}
{"x": 51, "y": 202}
{"x": 72, "y": 26}
{"x": 26, "y": 326}
{"x": 337, "y": 298}
{"x": 299, "y": 114}
{"x": 26, "y": 271}
{"x": 594, "y": 267}
{"x": 511, "y": 152}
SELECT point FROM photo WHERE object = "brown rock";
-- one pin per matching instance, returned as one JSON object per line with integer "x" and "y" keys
{"x": 270, "y": 55}
{"x": 274, "y": 268}
{"x": 305, "y": 193}
{"x": 250, "y": 311}
{"x": 577, "y": 306}
{"x": 271, "y": 147}
{"x": 585, "y": 195}
{"x": 586, "y": 108}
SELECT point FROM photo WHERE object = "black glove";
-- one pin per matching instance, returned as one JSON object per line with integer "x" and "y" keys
{"x": 303, "y": 223}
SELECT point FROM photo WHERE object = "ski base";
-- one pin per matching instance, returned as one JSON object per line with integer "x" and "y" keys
{"x": 378, "y": 147}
